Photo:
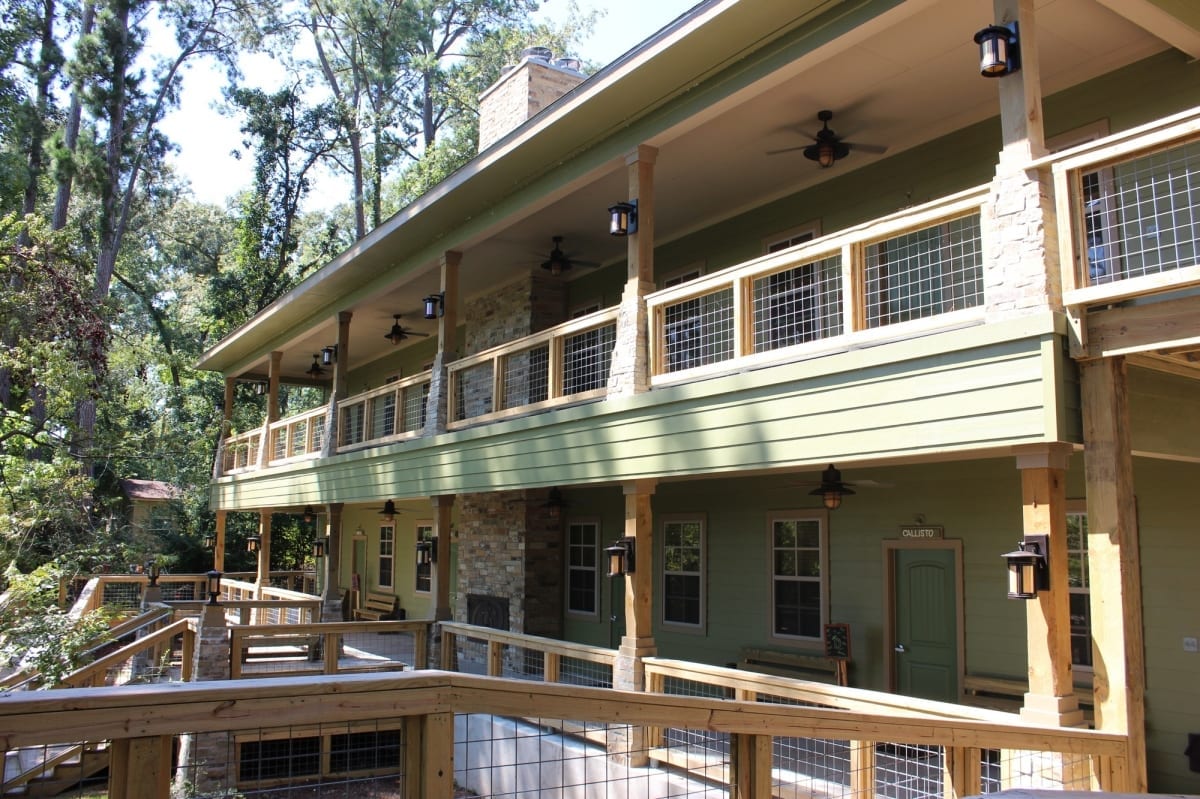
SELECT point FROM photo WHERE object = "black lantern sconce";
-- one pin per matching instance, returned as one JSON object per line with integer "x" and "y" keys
{"x": 315, "y": 370}
{"x": 320, "y": 547}
{"x": 1029, "y": 567}
{"x": 329, "y": 355}
{"x": 621, "y": 557}
{"x": 389, "y": 511}
{"x": 260, "y": 387}
{"x": 153, "y": 571}
{"x": 554, "y": 505}
{"x": 435, "y": 305}
{"x": 210, "y": 541}
{"x": 427, "y": 551}
{"x": 832, "y": 489}
{"x": 999, "y": 50}
{"x": 623, "y": 218}
{"x": 253, "y": 542}
{"x": 213, "y": 586}
{"x": 309, "y": 514}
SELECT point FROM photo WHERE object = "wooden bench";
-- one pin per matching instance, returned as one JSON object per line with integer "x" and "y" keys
{"x": 1007, "y": 693}
{"x": 790, "y": 664}
{"x": 377, "y": 606}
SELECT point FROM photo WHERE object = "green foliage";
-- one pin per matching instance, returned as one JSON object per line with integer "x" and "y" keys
{"x": 35, "y": 633}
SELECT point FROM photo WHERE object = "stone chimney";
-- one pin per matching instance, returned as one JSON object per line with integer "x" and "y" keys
{"x": 523, "y": 90}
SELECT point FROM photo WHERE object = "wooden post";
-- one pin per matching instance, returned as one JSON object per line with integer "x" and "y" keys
{"x": 750, "y": 766}
{"x": 333, "y": 555}
{"x": 219, "y": 542}
{"x": 438, "y": 404}
{"x": 630, "y": 370}
{"x": 1051, "y": 698}
{"x": 437, "y": 755}
{"x": 263, "y": 577}
{"x": 140, "y": 768}
{"x": 1114, "y": 563}
{"x": 341, "y": 367}
{"x": 862, "y": 769}
{"x": 442, "y": 507}
{"x": 962, "y": 773}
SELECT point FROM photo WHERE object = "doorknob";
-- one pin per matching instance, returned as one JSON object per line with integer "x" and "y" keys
{"x": 900, "y": 648}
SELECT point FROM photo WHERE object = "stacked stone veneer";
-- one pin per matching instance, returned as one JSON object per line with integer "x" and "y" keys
{"x": 1020, "y": 241}
{"x": 520, "y": 93}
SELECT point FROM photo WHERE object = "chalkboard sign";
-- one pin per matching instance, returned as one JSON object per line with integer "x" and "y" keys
{"x": 837, "y": 641}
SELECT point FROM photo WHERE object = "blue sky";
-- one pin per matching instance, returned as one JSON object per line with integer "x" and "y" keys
{"x": 206, "y": 138}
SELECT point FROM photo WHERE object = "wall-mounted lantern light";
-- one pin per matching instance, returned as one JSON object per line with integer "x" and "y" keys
{"x": 623, "y": 218}
{"x": 309, "y": 514}
{"x": 210, "y": 541}
{"x": 320, "y": 547}
{"x": 315, "y": 370}
{"x": 435, "y": 305}
{"x": 253, "y": 542}
{"x": 329, "y": 355}
{"x": 621, "y": 557}
{"x": 832, "y": 489}
{"x": 388, "y": 512}
{"x": 427, "y": 551}
{"x": 1028, "y": 567}
{"x": 260, "y": 387}
{"x": 554, "y": 505}
{"x": 153, "y": 571}
{"x": 999, "y": 50}
{"x": 213, "y": 586}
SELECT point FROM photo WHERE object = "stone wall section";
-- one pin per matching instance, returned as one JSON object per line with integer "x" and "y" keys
{"x": 1020, "y": 240}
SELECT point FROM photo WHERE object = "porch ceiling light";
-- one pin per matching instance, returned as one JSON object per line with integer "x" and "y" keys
{"x": 826, "y": 151}
{"x": 999, "y": 50}
{"x": 554, "y": 504}
{"x": 213, "y": 586}
{"x": 253, "y": 542}
{"x": 832, "y": 489}
{"x": 396, "y": 334}
{"x": 621, "y": 557}
{"x": 1028, "y": 567}
{"x": 623, "y": 218}
{"x": 315, "y": 370}
{"x": 389, "y": 511}
{"x": 435, "y": 305}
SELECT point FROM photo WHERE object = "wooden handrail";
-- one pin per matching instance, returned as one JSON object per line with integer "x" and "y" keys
{"x": 594, "y": 654}
{"x": 84, "y": 675}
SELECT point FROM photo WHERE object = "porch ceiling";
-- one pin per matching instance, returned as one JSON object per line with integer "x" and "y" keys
{"x": 901, "y": 79}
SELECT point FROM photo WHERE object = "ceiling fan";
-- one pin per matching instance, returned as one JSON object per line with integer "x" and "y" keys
{"x": 558, "y": 261}
{"x": 827, "y": 146}
{"x": 398, "y": 332}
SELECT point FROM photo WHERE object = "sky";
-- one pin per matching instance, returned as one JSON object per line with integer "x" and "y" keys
{"x": 206, "y": 138}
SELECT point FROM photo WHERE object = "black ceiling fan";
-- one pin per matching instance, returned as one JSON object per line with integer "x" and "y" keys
{"x": 398, "y": 332}
{"x": 558, "y": 261}
{"x": 827, "y": 146}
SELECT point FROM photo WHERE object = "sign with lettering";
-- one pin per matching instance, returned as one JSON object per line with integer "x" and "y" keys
{"x": 837, "y": 641}
{"x": 924, "y": 531}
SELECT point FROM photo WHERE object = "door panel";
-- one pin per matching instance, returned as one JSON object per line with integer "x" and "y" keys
{"x": 926, "y": 606}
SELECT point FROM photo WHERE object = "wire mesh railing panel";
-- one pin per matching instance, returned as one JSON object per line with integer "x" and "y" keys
{"x": 807, "y": 767}
{"x": 122, "y": 595}
{"x": 526, "y": 377}
{"x": 692, "y": 744}
{"x": 318, "y": 433}
{"x": 1142, "y": 217}
{"x": 414, "y": 400}
{"x": 587, "y": 357}
{"x": 383, "y": 416}
{"x": 924, "y": 273}
{"x": 1034, "y": 770}
{"x": 523, "y": 663}
{"x": 178, "y": 592}
{"x": 279, "y": 443}
{"x": 907, "y": 771}
{"x": 352, "y": 426}
{"x": 699, "y": 331}
{"x": 298, "y": 433}
{"x": 473, "y": 391}
{"x": 577, "y": 671}
{"x": 798, "y": 305}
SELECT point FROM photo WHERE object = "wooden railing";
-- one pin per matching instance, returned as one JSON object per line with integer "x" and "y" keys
{"x": 913, "y": 270}
{"x": 296, "y": 437}
{"x": 329, "y": 648}
{"x": 424, "y": 706}
{"x": 498, "y": 653}
{"x": 241, "y": 452}
{"x": 142, "y": 660}
{"x": 566, "y": 363}
{"x": 392, "y": 412}
{"x": 272, "y": 605}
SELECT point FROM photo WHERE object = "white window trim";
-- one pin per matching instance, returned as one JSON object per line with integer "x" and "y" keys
{"x": 813, "y": 229}
{"x": 380, "y": 557}
{"x": 598, "y": 594}
{"x": 822, "y": 516}
{"x": 679, "y": 626}
{"x": 672, "y": 278}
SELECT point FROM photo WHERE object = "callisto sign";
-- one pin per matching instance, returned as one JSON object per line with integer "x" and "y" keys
{"x": 925, "y": 532}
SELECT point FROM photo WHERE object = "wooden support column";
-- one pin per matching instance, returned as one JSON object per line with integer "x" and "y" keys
{"x": 219, "y": 541}
{"x": 264, "y": 443}
{"x": 333, "y": 553}
{"x": 1021, "y": 92}
{"x": 750, "y": 766}
{"x": 437, "y": 404}
{"x": 442, "y": 508}
{"x": 263, "y": 577}
{"x": 1114, "y": 562}
{"x": 140, "y": 768}
{"x": 341, "y": 367}
{"x": 630, "y": 370}
{"x": 227, "y": 410}
{"x": 1051, "y": 697}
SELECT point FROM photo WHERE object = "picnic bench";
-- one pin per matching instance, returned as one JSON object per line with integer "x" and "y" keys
{"x": 378, "y": 606}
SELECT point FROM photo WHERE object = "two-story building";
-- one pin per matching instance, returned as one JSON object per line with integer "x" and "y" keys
{"x": 814, "y": 322}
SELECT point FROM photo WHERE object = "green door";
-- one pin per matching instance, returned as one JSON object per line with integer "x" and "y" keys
{"x": 926, "y": 605}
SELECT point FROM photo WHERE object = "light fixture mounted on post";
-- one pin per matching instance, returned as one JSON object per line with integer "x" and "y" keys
{"x": 253, "y": 542}
{"x": 832, "y": 489}
{"x": 329, "y": 355}
{"x": 427, "y": 551}
{"x": 309, "y": 514}
{"x": 210, "y": 541}
{"x": 999, "y": 50}
{"x": 554, "y": 504}
{"x": 153, "y": 571}
{"x": 260, "y": 387}
{"x": 621, "y": 557}
{"x": 435, "y": 305}
{"x": 315, "y": 370}
{"x": 213, "y": 586}
{"x": 1028, "y": 567}
{"x": 320, "y": 547}
{"x": 623, "y": 218}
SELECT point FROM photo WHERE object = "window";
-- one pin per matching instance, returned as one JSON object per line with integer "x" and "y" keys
{"x": 683, "y": 571}
{"x": 798, "y": 553}
{"x": 800, "y": 235}
{"x": 583, "y": 540}
{"x": 387, "y": 554}
{"x": 424, "y": 576}
{"x": 1079, "y": 595}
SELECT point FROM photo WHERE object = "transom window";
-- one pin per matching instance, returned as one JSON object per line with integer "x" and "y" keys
{"x": 1079, "y": 593}
{"x": 798, "y": 566}
{"x": 387, "y": 555}
{"x": 683, "y": 571}
{"x": 582, "y": 567}
{"x": 423, "y": 582}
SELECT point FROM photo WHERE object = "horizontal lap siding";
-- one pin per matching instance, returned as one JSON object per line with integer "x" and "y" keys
{"x": 771, "y": 418}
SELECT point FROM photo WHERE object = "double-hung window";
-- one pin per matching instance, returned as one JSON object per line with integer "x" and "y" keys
{"x": 683, "y": 571}
{"x": 798, "y": 568}
{"x": 387, "y": 555}
{"x": 583, "y": 540}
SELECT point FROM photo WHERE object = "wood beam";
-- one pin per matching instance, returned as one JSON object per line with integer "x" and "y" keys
{"x": 341, "y": 367}
{"x": 219, "y": 541}
{"x": 1114, "y": 562}
{"x": 1167, "y": 324}
{"x": 443, "y": 507}
{"x": 333, "y": 553}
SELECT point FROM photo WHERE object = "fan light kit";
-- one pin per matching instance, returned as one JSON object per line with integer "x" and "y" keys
{"x": 828, "y": 147}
